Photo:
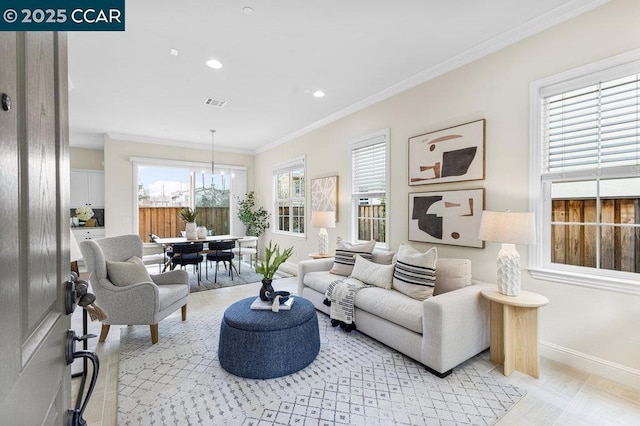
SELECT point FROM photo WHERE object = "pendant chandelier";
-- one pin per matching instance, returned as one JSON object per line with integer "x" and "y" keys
{"x": 213, "y": 132}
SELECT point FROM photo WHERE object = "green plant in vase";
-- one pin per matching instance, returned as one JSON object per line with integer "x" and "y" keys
{"x": 272, "y": 261}
{"x": 191, "y": 228}
{"x": 255, "y": 219}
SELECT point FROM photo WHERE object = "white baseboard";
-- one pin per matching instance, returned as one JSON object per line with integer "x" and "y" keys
{"x": 593, "y": 365}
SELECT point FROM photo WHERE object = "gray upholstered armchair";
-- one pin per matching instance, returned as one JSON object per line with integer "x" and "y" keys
{"x": 140, "y": 301}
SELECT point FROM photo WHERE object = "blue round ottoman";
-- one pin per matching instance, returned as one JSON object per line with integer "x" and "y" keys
{"x": 264, "y": 344}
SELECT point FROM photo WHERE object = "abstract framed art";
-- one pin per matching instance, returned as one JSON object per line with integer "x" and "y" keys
{"x": 324, "y": 195}
{"x": 450, "y": 155}
{"x": 446, "y": 217}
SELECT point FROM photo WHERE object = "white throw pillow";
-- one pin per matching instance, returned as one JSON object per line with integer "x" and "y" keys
{"x": 415, "y": 272}
{"x": 126, "y": 273}
{"x": 372, "y": 273}
{"x": 346, "y": 255}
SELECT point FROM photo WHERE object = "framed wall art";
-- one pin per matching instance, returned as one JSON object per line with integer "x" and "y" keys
{"x": 449, "y": 155}
{"x": 446, "y": 217}
{"x": 324, "y": 195}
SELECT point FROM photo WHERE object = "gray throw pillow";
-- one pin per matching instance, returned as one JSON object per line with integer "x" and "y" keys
{"x": 126, "y": 273}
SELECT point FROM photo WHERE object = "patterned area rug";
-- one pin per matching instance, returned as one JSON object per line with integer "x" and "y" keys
{"x": 354, "y": 380}
{"x": 247, "y": 275}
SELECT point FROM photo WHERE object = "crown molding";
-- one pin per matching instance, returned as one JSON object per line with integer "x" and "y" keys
{"x": 543, "y": 22}
{"x": 171, "y": 142}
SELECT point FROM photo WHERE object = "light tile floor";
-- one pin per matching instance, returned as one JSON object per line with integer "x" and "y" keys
{"x": 562, "y": 395}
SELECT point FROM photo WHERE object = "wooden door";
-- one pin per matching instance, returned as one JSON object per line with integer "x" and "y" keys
{"x": 34, "y": 228}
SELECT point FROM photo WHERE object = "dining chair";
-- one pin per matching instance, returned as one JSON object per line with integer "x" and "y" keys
{"x": 246, "y": 246}
{"x": 187, "y": 254}
{"x": 220, "y": 251}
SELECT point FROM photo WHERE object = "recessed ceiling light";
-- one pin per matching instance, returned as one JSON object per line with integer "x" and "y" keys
{"x": 247, "y": 10}
{"x": 214, "y": 63}
{"x": 318, "y": 94}
{"x": 173, "y": 52}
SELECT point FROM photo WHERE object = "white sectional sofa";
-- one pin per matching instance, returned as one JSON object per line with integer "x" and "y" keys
{"x": 439, "y": 332}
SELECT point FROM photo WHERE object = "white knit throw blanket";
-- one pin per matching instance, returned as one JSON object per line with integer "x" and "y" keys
{"x": 342, "y": 293}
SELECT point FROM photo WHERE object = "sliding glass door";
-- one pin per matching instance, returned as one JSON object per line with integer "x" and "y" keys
{"x": 166, "y": 187}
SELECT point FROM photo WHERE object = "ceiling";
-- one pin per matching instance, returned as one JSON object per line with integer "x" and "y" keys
{"x": 128, "y": 85}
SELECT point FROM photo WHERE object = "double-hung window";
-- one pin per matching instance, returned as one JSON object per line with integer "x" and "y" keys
{"x": 289, "y": 181}
{"x": 586, "y": 176}
{"x": 369, "y": 187}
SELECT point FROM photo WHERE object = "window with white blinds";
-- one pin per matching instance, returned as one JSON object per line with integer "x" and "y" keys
{"x": 369, "y": 187}
{"x": 369, "y": 164}
{"x": 593, "y": 127}
{"x": 585, "y": 175}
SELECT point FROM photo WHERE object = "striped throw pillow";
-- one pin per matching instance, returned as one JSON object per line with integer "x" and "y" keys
{"x": 346, "y": 255}
{"x": 415, "y": 272}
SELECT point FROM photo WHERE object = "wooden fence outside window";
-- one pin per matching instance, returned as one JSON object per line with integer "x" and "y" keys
{"x": 576, "y": 244}
{"x": 165, "y": 222}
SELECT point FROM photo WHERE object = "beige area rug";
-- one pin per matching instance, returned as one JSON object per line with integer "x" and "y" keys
{"x": 354, "y": 381}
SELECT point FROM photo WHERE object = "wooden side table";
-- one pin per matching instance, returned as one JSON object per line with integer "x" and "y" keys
{"x": 321, "y": 256}
{"x": 514, "y": 330}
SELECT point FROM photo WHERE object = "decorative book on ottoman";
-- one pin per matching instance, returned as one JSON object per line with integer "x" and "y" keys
{"x": 261, "y": 305}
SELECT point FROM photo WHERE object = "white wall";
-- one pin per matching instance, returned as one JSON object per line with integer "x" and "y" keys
{"x": 591, "y": 329}
{"x": 119, "y": 184}
{"x": 88, "y": 159}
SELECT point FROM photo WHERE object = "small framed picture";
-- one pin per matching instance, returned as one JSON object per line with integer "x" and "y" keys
{"x": 450, "y": 155}
{"x": 324, "y": 195}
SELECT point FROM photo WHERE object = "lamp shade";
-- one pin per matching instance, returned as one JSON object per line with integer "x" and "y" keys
{"x": 508, "y": 227}
{"x": 323, "y": 219}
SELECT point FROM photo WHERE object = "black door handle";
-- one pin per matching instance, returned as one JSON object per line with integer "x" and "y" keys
{"x": 75, "y": 414}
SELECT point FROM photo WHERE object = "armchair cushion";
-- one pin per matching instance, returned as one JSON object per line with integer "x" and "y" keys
{"x": 132, "y": 271}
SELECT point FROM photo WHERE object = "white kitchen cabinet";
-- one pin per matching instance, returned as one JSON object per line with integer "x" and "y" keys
{"x": 82, "y": 233}
{"x": 87, "y": 188}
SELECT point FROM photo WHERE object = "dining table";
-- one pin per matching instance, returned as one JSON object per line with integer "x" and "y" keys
{"x": 170, "y": 241}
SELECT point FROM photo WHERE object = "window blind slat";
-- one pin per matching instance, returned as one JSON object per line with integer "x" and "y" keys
{"x": 593, "y": 127}
{"x": 369, "y": 166}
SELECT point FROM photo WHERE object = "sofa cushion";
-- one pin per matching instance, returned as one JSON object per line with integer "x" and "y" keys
{"x": 320, "y": 280}
{"x": 415, "y": 272}
{"x": 372, "y": 273}
{"x": 346, "y": 255}
{"x": 391, "y": 306}
{"x": 126, "y": 273}
{"x": 383, "y": 257}
{"x": 452, "y": 274}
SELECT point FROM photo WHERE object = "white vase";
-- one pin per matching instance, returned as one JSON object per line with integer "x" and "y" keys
{"x": 191, "y": 231}
{"x": 202, "y": 232}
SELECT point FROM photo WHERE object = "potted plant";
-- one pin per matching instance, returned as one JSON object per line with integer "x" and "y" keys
{"x": 191, "y": 228}
{"x": 273, "y": 259}
{"x": 255, "y": 219}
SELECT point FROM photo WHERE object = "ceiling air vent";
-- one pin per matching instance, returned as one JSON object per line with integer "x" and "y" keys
{"x": 215, "y": 102}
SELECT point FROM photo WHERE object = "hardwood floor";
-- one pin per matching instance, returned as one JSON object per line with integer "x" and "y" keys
{"x": 561, "y": 396}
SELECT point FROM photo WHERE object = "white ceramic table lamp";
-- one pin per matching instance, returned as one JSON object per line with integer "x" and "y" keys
{"x": 323, "y": 220}
{"x": 508, "y": 228}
